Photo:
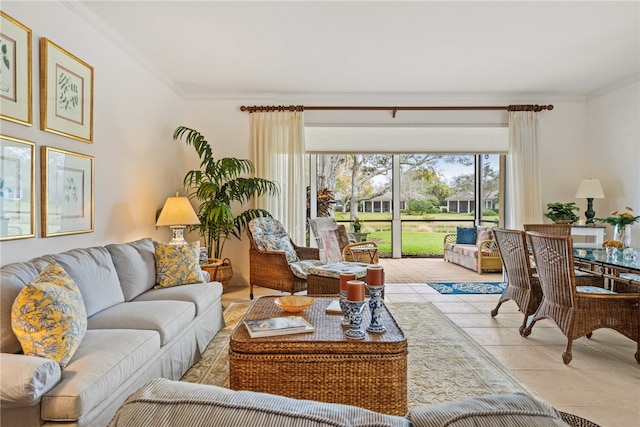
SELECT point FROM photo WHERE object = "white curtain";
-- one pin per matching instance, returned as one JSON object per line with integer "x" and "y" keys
{"x": 277, "y": 143}
{"x": 524, "y": 194}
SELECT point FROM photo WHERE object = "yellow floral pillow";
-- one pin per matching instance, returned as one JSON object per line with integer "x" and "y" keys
{"x": 49, "y": 317}
{"x": 177, "y": 264}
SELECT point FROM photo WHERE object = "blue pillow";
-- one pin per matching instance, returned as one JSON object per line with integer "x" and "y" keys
{"x": 466, "y": 235}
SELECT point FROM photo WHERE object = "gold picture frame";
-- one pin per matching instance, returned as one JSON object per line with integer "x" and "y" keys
{"x": 66, "y": 93}
{"x": 67, "y": 192}
{"x": 17, "y": 184}
{"x": 15, "y": 72}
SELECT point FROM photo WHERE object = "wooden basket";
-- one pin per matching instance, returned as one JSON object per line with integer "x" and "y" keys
{"x": 219, "y": 270}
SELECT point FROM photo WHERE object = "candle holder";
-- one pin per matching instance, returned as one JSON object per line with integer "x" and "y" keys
{"x": 375, "y": 305}
{"x": 345, "y": 312}
{"x": 355, "y": 331}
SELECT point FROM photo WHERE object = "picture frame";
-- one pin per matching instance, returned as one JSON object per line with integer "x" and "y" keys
{"x": 66, "y": 93}
{"x": 67, "y": 192}
{"x": 16, "y": 68}
{"x": 17, "y": 188}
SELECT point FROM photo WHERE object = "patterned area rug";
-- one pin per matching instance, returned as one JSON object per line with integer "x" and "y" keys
{"x": 445, "y": 364}
{"x": 468, "y": 287}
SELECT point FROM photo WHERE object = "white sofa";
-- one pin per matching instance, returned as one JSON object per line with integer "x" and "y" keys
{"x": 135, "y": 333}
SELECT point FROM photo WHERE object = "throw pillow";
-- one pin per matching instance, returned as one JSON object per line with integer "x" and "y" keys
{"x": 177, "y": 264}
{"x": 49, "y": 317}
{"x": 332, "y": 250}
{"x": 466, "y": 235}
{"x": 484, "y": 233}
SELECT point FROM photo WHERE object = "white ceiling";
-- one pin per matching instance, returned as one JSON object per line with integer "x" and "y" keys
{"x": 213, "y": 48}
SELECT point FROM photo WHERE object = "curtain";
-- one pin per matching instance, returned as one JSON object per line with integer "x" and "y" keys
{"x": 524, "y": 194}
{"x": 277, "y": 144}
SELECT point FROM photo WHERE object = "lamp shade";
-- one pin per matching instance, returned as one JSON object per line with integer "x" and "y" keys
{"x": 590, "y": 189}
{"x": 177, "y": 211}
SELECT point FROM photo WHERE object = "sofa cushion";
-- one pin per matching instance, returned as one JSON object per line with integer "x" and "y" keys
{"x": 203, "y": 295}
{"x": 25, "y": 379}
{"x": 466, "y": 250}
{"x": 168, "y": 318}
{"x": 93, "y": 271}
{"x": 135, "y": 264}
{"x": 514, "y": 409}
{"x": 466, "y": 235}
{"x": 104, "y": 360}
{"x": 49, "y": 317}
{"x": 13, "y": 278}
{"x": 161, "y": 402}
{"x": 177, "y": 264}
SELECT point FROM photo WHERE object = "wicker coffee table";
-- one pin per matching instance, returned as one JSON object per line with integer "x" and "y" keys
{"x": 322, "y": 365}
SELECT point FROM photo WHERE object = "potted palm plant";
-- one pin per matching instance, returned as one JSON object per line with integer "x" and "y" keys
{"x": 217, "y": 185}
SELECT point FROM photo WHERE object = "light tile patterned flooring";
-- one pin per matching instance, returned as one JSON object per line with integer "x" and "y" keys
{"x": 602, "y": 382}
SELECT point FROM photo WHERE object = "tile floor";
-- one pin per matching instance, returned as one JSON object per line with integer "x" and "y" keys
{"x": 602, "y": 382}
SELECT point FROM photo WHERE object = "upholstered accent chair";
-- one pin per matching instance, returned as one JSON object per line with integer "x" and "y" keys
{"x": 275, "y": 262}
{"x": 578, "y": 311}
{"x": 336, "y": 245}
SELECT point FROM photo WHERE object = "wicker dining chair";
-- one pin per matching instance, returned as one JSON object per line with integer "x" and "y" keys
{"x": 553, "y": 229}
{"x": 522, "y": 287}
{"x": 575, "y": 312}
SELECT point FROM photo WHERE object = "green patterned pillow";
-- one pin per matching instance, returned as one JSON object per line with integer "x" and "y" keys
{"x": 177, "y": 264}
{"x": 49, "y": 317}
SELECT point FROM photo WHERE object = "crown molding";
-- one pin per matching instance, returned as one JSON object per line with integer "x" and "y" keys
{"x": 94, "y": 21}
{"x": 614, "y": 86}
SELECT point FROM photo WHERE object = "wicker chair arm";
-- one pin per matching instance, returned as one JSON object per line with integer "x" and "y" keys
{"x": 450, "y": 238}
{"x": 307, "y": 253}
{"x": 488, "y": 248}
{"x": 357, "y": 244}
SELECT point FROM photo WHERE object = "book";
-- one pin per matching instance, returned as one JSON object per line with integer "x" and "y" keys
{"x": 334, "y": 307}
{"x": 271, "y": 326}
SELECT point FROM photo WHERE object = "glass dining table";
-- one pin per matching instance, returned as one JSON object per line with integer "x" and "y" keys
{"x": 618, "y": 269}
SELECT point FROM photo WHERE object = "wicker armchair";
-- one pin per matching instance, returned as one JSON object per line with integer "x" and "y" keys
{"x": 275, "y": 262}
{"x": 578, "y": 313}
{"x": 334, "y": 240}
{"x": 522, "y": 286}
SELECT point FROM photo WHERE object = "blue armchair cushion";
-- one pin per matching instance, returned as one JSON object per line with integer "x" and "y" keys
{"x": 466, "y": 235}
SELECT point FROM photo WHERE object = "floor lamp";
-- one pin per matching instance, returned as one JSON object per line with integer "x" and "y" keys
{"x": 589, "y": 189}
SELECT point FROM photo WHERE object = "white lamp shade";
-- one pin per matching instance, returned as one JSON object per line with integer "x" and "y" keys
{"x": 177, "y": 211}
{"x": 590, "y": 189}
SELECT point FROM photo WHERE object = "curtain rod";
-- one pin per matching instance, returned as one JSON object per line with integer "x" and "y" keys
{"x": 394, "y": 110}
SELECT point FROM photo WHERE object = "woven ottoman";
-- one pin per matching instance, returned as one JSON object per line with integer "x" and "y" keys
{"x": 323, "y": 365}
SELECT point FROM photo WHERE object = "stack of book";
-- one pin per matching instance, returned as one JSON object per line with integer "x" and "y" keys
{"x": 277, "y": 326}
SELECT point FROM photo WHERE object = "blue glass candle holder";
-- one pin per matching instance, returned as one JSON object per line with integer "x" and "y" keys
{"x": 375, "y": 306}
{"x": 355, "y": 331}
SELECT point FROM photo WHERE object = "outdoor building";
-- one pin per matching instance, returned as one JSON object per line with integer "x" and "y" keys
{"x": 464, "y": 203}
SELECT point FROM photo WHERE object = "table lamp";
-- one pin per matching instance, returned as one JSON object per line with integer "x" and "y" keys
{"x": 177, "y": 213}
{"x": 589, "y": 189}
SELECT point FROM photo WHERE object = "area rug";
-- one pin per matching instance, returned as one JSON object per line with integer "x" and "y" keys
{"x": 445, "y": 364}
{"x": 468, "y": 287}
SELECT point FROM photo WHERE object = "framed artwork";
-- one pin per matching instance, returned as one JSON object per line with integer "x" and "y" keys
{"x": 17, "y": 201}
{"x": 67, "y": 192}
{"x": 15, "y": 71}
{"x": 66, "y": 93}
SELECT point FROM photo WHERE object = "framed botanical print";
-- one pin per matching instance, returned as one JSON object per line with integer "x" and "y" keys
{"x": 67, "y": 192}
{"x": 15, "y": 71}
{"x": 17, "y": 201}
{"x": 66, "y": 93}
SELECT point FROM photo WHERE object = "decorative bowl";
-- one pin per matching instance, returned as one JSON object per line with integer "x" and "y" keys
{"x": 294, "y": 303}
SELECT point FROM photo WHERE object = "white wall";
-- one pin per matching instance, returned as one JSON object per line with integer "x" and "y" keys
{"x": 613, "y": 144}
{"x": 137, "y": 165}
